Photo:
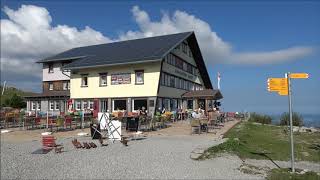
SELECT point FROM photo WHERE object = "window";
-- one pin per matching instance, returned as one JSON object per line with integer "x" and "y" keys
{"x": 190, "y": 53}
{"x": 179, "y": 63}
{"x": 57, "y": 105}
{"x": 33, "y": 105}
{"x": 103, "y": 79}
{"x": 91, "y": 104}
{"x": 119, "y": 105}
{"x": 50, "y": 68}
{"x": 51, "y": 105}
{"x": 84, "y": 80}
{"x": 184, "y": 47}
{"x": 139, "y": 77}
{"x": 50, "y": 86}
{"x": 177, "y": 48}
{"x": 151, "y": 103}
{"x": 185, "y": 66}
{"x": 103, "y": 105}
{"x": 177, "y": 82}
{"x": 189, "y": 68}
{"x": 162, "y": 79}
{"x": 167, "y": 80}
{"x": 139, "y": 103}
{"x": 167, "y": 104}
{"x": 172, "y": 81}
{"x": 78, "y": 105}
{"x": 38, "y": 105}
{"x": 190, "y": 104}
{"x": 66, "y": 85}
{"x": 84, "y": 104}
{"x": 159, "y": 104}
{"x": 173, "y": 105}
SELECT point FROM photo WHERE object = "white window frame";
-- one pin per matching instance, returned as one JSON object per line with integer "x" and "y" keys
{"x": 50, "y": 89}
{"x": 103, "y": 105}
{"x": 53, "y": 106}
{"x": 136, "y": 75}
{"x": 91, "y": 102}
{"x": 114, "y": 110}
{"x": 38, "y": 105}
{"x": 66, "y": 85}
{"x": 133, "y": 101}
{"x": 82, "y": 80}
{"x": 77, "y": 102}
{"x": 83, "y": 103}
{"x": 100, "y": 79}
{"x": 33, "y": 105}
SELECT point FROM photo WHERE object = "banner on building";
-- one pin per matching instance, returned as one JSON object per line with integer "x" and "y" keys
{"x": 124, "y": 78}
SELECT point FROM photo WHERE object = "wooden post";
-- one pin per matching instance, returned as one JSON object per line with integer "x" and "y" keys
{"x": 47, "y": 118}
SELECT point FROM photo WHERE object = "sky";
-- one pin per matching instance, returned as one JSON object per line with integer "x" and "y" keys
{"x": 247, "y": 42}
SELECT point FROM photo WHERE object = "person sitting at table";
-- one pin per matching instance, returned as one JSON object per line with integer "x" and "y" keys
{"x": 195, "y": 114}
{"x": 143, "y": 112}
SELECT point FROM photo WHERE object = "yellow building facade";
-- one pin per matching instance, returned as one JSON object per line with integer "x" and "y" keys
{"x": 175, "y": 67}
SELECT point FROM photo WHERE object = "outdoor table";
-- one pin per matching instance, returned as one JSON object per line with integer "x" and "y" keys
{"x": 132, "y": 123}
{"x": 29, "y": 120}
{"x": 77, "y": 119}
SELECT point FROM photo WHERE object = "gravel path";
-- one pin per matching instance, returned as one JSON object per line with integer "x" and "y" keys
{"x": 158, "y": 157}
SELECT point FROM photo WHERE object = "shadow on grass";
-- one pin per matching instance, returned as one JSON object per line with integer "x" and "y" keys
{"x": 266, "y": 156}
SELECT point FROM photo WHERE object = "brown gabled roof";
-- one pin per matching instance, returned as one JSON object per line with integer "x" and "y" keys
{"x": 49, "y": 94}
{"x": 206, "y": 93}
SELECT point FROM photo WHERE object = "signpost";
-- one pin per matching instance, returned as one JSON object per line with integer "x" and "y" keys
{"x": 283, "y": 87}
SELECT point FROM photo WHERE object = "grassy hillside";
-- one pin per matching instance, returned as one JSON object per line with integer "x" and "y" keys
{"x": 249, "y": 140}
{"x": 10, "y": 91}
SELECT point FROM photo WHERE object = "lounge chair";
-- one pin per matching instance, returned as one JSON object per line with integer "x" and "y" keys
{"x": 48, "y": 143}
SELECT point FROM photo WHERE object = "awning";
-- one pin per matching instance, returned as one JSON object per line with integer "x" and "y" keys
{"x": 213, "y": 94}
{"x": 49, "y": 94}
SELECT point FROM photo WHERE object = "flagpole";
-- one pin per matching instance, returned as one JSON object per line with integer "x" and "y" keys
{"x": 218, "y": 80}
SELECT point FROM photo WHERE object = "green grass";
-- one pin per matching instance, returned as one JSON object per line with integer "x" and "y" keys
{"x": 284, "y": 174}
{"x": 249, "y": 140}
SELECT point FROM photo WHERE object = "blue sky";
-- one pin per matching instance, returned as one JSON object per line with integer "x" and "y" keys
{"x": 245, "y": 26}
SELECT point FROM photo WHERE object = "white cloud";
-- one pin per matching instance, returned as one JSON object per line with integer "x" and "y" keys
{"x": 272, "y": 57}
{"x": 28, "y": 35}
{"x": 214, "y": 49}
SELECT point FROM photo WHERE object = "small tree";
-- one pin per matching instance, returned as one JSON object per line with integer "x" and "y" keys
{"x": 15, "y": 101}
{"x": 297, "y": 119}
{"x": 260, "y": 118}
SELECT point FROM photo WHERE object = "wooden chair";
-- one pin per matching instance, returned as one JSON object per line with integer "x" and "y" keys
{"x": 37, "y": 122}
{"x": 212, "y": 121}
{"x": 51, "y": 123}
{"x": 195, "y": 126}
{"x": 68, "y": 121}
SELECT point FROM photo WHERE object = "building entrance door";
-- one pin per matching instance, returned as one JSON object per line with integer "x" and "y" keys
{"x": 202, "y": 104}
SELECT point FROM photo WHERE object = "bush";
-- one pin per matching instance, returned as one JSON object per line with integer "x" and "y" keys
{"x": 15, "y": 101}
{"x": 297, "y": 119}
{"x": 259, "y": 118}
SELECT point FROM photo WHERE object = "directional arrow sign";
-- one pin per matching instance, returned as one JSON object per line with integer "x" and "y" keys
{"x": 283, "y": 93}
{"x": 277, "y": 89}
{"x": 299, "y": 75}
